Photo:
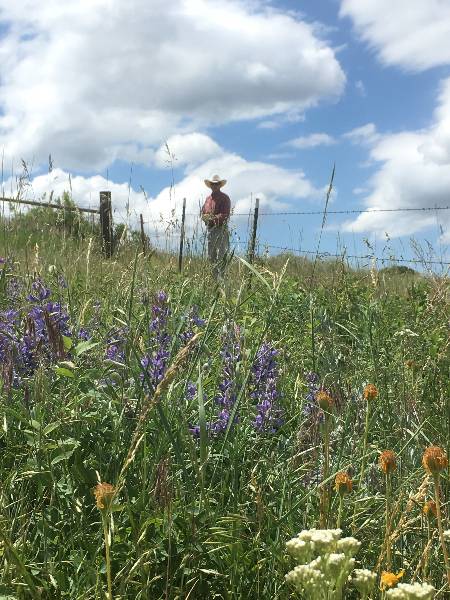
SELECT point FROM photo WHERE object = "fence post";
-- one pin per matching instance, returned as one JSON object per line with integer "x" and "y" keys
{"x": 106, "y": 223}
{"x": 251, "y": 250}
{"x": 180, "y": 256}
{"x": 143, "y": 237}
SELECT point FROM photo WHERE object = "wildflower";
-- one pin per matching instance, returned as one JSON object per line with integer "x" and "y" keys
{"x": 370, "y": 392}
{"x": 348, "y": 545}
{"x": 364, "y": 581}
{"x": 434, "y": 460}
{"x": 447, "y": 535}
{"x": 430, "y": 509}
{"x": 264, "y": 384}
{"x": 104, "y": 495}
{"x": 387, "y": 462}
{"x": 415, "y": 591}
{"x": 389, "y": 579}
{"x": 324, "y": 400}
{"x": 343, "y": 483}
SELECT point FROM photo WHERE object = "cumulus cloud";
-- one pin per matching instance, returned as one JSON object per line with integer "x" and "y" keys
{"x": 363, "y": 135}
{"x": 412, "y": 34}
{"x": 311, "y": 141}
{"x": 91, "y": 81}
{"x": 189, "y": 149}
{"x": 276, "y": 187}
{"x": 414, "y": 172}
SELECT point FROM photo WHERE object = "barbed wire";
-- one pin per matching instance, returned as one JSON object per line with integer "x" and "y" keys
{"x": 337, "y": 212}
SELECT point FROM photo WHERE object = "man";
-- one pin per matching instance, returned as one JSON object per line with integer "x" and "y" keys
{"x": 215, "y": 214}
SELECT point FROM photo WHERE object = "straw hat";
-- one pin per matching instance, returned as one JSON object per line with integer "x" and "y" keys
{"x": 215, "y": 179}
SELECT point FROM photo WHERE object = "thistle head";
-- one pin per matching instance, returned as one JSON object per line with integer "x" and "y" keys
{"x": 434, "y": 460}
{"x": 370, "y": 392}
{"x": 387, "y": 462}
{"x": 324, "y": 400}
{"x": 430, "y": 509}
{"x": 343, "y": 483}
{"x": 104, "y": 495}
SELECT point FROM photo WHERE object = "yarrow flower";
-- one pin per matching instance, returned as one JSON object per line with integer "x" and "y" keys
{"x": 414, "y": 591}
{"x": 387, "y": 462}
{"x": 389, "y": 579}
{"x": 434, "y": 460}
{"x": 329, "y": 561}
{"x": 364, "y": 581}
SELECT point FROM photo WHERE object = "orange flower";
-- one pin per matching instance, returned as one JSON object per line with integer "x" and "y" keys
{"x": 343, "y": 483}
{"x": 324, "y": 400}
{"x": 104, "y": 495}
{"x": 434, "y": 460}
{"x": 370, "y": 392}
{"x": 387, "y": 461}
{"x": 389, "y": 579}
{"x": 430, "y": 509}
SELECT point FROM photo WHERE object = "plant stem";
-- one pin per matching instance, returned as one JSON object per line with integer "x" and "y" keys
{"x": 326, "y": 470}
{"x": 437, "y": 487}
{"x": 341, "y": 505}
{"x": 366, "y": 435}
{"x": 388, "y": 523}
{"x": 107, "y": 555}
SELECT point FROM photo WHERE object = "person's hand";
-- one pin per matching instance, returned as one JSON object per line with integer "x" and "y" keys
{"x": 208, "y": 218}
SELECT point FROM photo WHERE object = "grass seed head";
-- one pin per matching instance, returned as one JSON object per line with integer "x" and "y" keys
{"x": 434, "y": 460}
{"x": 387, "y": 462}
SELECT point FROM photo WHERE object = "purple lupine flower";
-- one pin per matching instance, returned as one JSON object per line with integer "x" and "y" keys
{"x": 192, "y": 319}
{"x": 84, "y": 334}
{"x": 226, "y": 398}
{"x": 14, "y": 288}
{"x": 39, "y": 291}
{"x": 310, "y": 406}
{"x": 191, "y": 390}
{"x": 263, "y": 383}
{"x": 115, "y": 344}
{"x": 154, "y": 362}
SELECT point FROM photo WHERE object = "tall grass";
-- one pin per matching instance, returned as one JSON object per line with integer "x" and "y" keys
{"x": 208, "y": 516}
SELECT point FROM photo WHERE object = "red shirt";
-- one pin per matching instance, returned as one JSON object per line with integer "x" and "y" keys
{"x": 218, "y": 204}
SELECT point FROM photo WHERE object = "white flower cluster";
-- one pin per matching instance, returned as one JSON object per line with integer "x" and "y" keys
{"x": 411, "y": 591}
{"x": 364, "y": 581}
{"x": 327, "y": 560}
{"x": 447, "y": 535}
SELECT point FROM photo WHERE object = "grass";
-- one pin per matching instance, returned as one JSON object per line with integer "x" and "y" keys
{"x": 209, "y": 516}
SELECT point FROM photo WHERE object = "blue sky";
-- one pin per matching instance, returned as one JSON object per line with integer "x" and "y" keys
{"x": 243, "y": 88}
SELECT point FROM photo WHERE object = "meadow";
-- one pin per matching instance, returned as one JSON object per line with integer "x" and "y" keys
{"x": 165, "y": 438}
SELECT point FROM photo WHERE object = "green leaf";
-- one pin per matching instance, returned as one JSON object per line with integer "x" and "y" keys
{"x": 68, "y": 342}
{"x": 63, "y": 372}
{"x": 83, "y": 347}
{"x": 63, "y": 456}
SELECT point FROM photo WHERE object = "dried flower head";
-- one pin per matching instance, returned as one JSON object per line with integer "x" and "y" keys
{"x": 343, "y": 483}
{"x": 430, "y": 509}
{"x": 434, "y": 460}
{"x": 370, "y": 392}
{"x": 389, "y": 579}
{"x": 104, "y": 495}
{"x": 324, "y": 400}
{"x": 387, "y": 461}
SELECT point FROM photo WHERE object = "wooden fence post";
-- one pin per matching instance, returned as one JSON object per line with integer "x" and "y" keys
{"x": 106, "y": 224}
{"x": 180, "y": 256}
{"x": 143, "y": 237}
{"x": 251, "y": 250}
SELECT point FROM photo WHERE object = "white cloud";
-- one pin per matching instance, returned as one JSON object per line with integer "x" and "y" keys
{"x": 311, "y": 141}
{"x": 364, "y": 135}
{"x": 413, "y": 172}
{"x": 189, "y": 149}
{"x": 412, "y": 34}
{"x": 90, "y": 81}
{"x": 361, "y": 88}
